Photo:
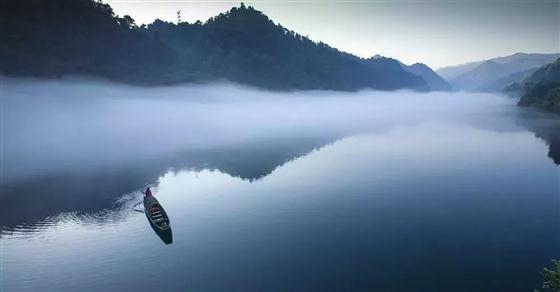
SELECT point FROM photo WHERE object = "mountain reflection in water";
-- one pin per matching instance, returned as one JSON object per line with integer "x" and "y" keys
{"x": 545, "y": 126}
{"x": 364, "y": 187}
{"x": 100, "y": 191}
{"x": 373, "y": 204}
{"x": 100, "y": 198}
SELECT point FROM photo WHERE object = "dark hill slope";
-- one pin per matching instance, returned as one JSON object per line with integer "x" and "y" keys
{"x": 245, "y": 46}
{"x": 542, "y": 88}
{"x": 83, "y": 37}
{"x": 43, "y": 38}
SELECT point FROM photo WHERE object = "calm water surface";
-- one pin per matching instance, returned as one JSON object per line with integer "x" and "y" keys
{"x": 308, "y": 192}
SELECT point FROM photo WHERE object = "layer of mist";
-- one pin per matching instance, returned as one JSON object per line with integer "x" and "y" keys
{"x": 59, "y": 126}
{"x": 82, "y": 144}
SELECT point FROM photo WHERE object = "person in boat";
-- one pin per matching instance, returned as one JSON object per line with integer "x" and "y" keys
{"x": 155, "y": 207}
{"x": 148, "y": 192}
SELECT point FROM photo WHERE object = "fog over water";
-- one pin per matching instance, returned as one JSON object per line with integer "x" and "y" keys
{"x": 57, "y": 126}
{"x": 274, "y": 191}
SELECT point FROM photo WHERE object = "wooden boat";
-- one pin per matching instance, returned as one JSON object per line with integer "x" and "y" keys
{"x": 156, "y": 214}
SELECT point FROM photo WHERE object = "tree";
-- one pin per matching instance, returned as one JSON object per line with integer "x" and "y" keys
{"x": 551, "y": 277}
{"x": 127, "y": 22}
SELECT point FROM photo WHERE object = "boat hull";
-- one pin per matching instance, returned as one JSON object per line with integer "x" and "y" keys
{"x": 158, "y": 219}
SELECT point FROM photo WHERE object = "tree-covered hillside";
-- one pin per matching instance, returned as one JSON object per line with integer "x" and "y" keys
{"x": 84, "y": 37}
{"x": 542, "y": 88}
{"x": 43, "y": 38}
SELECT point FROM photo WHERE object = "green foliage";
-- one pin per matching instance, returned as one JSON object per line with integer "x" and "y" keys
{"x": 542, "y": 88}
{"x": 551, "y": 278}
{"x": 543, "y": 95}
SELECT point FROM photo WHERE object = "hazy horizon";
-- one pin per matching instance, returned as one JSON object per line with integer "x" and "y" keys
{"x": 436, "y": 33}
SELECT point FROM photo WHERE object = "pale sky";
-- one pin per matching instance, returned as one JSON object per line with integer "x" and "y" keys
{"x": 435, "y": 32}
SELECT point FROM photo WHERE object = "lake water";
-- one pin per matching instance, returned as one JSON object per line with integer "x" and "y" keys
{"x": 303, "y": 191}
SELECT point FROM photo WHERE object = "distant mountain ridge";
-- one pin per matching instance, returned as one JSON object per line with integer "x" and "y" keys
{"x": 450, "y": 72}
{"x": 496, "y": 73}
{"x": 50, "y": 39}
{"x": 432, "y": 79}
{"x": 506, "y": 82}
{"x": 476, "y": 78}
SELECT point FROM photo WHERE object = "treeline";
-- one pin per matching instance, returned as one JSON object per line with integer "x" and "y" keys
{"x": 50, "y": 39}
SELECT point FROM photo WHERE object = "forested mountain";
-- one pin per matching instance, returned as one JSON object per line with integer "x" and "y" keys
{"x": 54, "y": 38}
{"x": 542, "y": 88}
{"x": 490, "y": 75}
{"x": 393, "y": 66}
{"x": 83, "y": 37}
{"x": 245, "y": 46}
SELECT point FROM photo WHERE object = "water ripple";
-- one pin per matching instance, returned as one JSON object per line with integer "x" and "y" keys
{"x": 122, "y": 208}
